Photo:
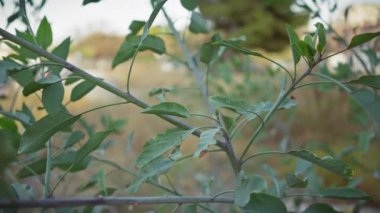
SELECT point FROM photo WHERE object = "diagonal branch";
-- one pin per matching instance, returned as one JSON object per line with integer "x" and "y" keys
{"x": 95, "y": 201}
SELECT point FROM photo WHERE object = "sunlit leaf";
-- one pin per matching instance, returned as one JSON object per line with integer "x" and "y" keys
{"x": 35, "y": 137}
{"x": 160, "y": 144}
{"x": 44, "y": 35}
{"x": 154, "y": 168}
{"x": 198, "y": 24}
{"x": 167, "y": 108}
{"x": 345, "y": 193}
{"x": 189, "y": 4}
{"x": 319, "y": 208}
{"x": 260, "y": 202}
{"x": 207, "y": 138}
{"x": 82, "y": 89}
{"x": 333, "y": 165}
{"x": 246, "y": 186}
{"x": 368, "y": 80}
{"x": 362, "y": 38}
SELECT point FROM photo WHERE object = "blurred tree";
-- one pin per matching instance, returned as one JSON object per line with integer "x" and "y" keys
{"x": 262, "y": 21}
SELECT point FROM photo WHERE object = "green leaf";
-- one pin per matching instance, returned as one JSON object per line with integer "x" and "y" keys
{"x": 333, "y": 165}
{"x": 41, "y": 83}
{"x": 44, "y": 35}
{"x": 38, "y": 167}
{"x": 192, "y": 208}
{"x": 167, "y": 108}
{"x": 62, "y": 51}
{"x": 89, "y": 1}
{"x": 293, "y": 38}
{"x": 74, "y": 138}
{"x": 160, "y": 144}
{"x": 7, "y": 192}
{"x": 364, "y": 140}
{"x": 136, "y": 26}
{"x": 67, "y": 162}
{"x": 208, "y": 53}
{"x": 198, "y": 24}
{"x": 82, "y": 89}
{"x": 368, "y": 80}
{"x": 362, "y": 38}
{"x": 319, "y": 208}
{"x": 294, "y": 181}
{"x": 189, "y": 4}
{"x": 321, "y": 38}
{"x": 72, "y": 78}
{"x": 10, "y": 140}
{"x": 246, "y": 186}
{"x": 155, "y": 168}
{"x": 35, "y": 137}
{"x": 345, "y": 193}
{"x": 23, "y": 50}
{"x": 207, "y": 138}
{"x": 370, "y": 102}
{"x": 23, "y": 77}
{"x": 260, "y": 202}
{"x": 307, "y": 51}
{"x": 91, "y": 145}
{"x": 52, "y": 97}
{"x": 235, "y": 46}
{"x": 153, "y": 43}
{"x": 6, "y": 66}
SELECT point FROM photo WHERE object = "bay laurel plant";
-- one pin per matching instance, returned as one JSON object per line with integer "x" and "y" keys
{"x": 27, "y": 144}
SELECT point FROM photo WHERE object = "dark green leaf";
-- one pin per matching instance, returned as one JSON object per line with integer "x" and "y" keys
{"x": 82, "y": 89}
{"x": 167, "y": 108}
{"x": 41, "y": 83}
{"x": 345, "y": 193}
{"x": 10, "y": 140}
{"x": 153, "y": 43}
{"x": 370, "y": 102}
{"x": 91, "y": 145}
{"x": 52, "y": 97}
{"x": 246, "y": 186}
{"x": 7, "y": 192}
{"x": 6, "y": 66}
{"x": 321, "y": 37}
{"x": 208, "y": 53}
{"x": 153, "y": 169}
{"x": 136, "y": 26}
{"x": 18, "y": 116}
{"x": 23, "y": 77}
{"x": 320, "y": 208}
{"x": 74, "y": 138}
{"x": 294, "y": 181}
{"x": 72, "y": 78}
{"x": 38, "y": 167}
{"x": 89, "y": 1}
{"x": 333, "y": 165}
{"x": 362, "y": 38}
{"x": 189, "y": 4}
{"x": 368, "y": 80}
{"x": 62, "y": 51}
{"x": 235, "y": 46}
{"x": 260, "y": 202}
{"x": 307, "y": 50}
{"x": 198, "y": 24}
{"x": 44, "y": 35}
{"x": 293, "y": 38}
{"x": 67, "y": 162}
{"x": 161, "y": 144}
{"x": 192, "y": 208}
{"x": 35, "y": 137}
{"x": 207, "y": 138}
{"x": 23, "y": 50}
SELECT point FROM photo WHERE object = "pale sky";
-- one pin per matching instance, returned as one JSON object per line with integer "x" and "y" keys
{"x": 69, "y": 18}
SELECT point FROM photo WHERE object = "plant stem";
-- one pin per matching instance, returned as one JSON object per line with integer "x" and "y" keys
{"x": 333, "y": 80}
{"x": 46, "y": 188}
{"x": 265, "y": 153}
{"x": 314, "y": 83}
{"x": 93, "y": 201}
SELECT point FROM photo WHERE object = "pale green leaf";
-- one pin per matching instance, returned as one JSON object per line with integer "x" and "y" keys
{"x": 333, "y": 165}
{"x": 246, "y": 186}
{"x": 44, "y": 35}
{"x": 207, "y": 138}
{"x": 167, "y": 108}
{"x": 153, "y": 169}
{"x": 160, "y": 144}
{"x": 35, "y": 137}
{"x": 198, "y": 24}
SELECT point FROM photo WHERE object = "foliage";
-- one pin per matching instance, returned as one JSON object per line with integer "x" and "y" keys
{"x": 32, "y": 147}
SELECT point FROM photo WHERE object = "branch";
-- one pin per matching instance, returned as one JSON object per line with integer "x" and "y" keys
{"x": 95, "y": 201}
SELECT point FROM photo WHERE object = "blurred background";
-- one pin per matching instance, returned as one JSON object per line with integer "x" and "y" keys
{"x": 325, "y": 120}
